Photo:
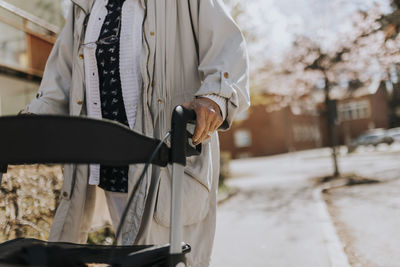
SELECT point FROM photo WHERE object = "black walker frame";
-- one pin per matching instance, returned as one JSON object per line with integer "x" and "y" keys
{"x": 37, "y": 139}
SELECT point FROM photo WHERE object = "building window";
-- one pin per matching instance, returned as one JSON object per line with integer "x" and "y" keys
{"x": 13, "y": 47}
{"x": 354, "y": 110}
{"x": 242, "y": 138}
{"x": 242, "y": 116}
{"x": 306, "y": 133}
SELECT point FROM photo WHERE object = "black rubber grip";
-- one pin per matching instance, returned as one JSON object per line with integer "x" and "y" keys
{"x": 180, "y": 118}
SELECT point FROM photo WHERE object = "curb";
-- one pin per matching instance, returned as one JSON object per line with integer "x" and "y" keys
{"x": 337, "y": 255}
{"x": 225, "y": 197}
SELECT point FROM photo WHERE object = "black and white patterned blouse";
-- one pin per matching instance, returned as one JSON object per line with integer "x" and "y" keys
{"x": 114, "y": 179}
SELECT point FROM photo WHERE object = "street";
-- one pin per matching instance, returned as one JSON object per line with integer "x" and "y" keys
{"x": 274, "y": 219}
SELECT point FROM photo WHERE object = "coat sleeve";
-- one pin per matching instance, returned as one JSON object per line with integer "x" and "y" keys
{"x": 223, "y": 58}
{"x": 53, "y": 94}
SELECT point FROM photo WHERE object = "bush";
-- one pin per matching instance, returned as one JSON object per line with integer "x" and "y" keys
{"x": 29, "y": 196}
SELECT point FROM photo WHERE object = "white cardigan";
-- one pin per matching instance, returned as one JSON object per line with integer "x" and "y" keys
{"x": 130, "y": 53}
{"x": 130, "y": 48}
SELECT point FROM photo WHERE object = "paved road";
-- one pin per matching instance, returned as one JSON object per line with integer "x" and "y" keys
{"x": 273, "y": 220}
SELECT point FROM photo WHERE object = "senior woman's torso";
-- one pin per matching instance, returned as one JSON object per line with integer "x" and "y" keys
{"x": 113, "y": 79}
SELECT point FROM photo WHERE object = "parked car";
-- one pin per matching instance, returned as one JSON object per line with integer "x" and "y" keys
{"x": 372, "y": 137}
{"x": 394, "y": 133}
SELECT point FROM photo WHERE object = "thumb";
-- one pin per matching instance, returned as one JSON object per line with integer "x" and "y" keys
{"x": 188, "y": 105}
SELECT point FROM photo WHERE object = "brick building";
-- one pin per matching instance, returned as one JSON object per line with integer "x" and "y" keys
{"x": 260, "y": 132}
{"x": 361, "y": 110}
{"x": 302, "y": 125}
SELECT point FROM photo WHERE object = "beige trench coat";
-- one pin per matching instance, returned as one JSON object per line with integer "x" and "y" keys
{"x": 190, "y": 48}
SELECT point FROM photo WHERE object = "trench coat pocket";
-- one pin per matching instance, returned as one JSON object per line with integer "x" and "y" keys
{"x": 196, "y": 191}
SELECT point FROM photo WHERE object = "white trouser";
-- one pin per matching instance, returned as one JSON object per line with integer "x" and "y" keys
{"x": 116, "y": 204}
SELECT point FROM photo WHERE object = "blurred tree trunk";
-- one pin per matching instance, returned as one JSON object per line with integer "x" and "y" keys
{"x": 331, "y": 118}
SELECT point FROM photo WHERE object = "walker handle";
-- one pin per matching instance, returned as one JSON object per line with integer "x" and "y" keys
{"x": 179, "y": 138}
{"x": 180, "y": 149}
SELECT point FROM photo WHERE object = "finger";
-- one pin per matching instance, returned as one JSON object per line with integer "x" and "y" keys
{"x": 200, "y": 124}
{"x": 216, "y": 123}
{"x": 187, "y": 105}
{"x": 206, "y": 127}
{"x": 204, "y": 136}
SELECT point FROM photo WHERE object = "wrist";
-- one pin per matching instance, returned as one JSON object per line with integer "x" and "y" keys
{"x": 218, "y": 102}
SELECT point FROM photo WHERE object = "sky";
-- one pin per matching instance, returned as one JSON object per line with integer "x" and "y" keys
{"x": 275, "y": 22}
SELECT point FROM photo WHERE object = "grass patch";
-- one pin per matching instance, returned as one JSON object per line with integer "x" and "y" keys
{"x": 346, "y": 180}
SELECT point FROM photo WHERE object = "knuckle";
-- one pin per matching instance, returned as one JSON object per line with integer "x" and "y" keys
{"x": 197, "y": 133}
{"x": 203, "y": 109}
{"x": 199, "y": 121}
{"x": 199, "y": 130}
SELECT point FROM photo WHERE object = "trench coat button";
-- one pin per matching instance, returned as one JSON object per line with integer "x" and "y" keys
{"x": 79, "y": 102}
{"x": 39, "y": 94}
{"x": 226, "y": 75}
{"x": 65, "y": 194}
{"x": 152, "y": 33}
{"x": 81, "y": 56}
{"x": 159, "y": 101}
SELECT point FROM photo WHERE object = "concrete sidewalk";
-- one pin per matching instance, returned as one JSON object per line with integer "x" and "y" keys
{"x": 272, "y": 220}
{"x": 275, "y": 219}
{"x": 367, "y": 218}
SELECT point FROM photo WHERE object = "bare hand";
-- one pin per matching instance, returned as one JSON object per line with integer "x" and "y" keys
{"x": 24, "y": 112}
{"x": 208, "y": 118}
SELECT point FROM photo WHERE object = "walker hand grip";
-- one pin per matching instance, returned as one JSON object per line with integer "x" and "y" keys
{"x": 179, "y": 136}
{"x": 189, "y": 114}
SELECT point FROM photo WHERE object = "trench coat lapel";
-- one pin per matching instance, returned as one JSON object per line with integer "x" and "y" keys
{"x": 84, "y": 4}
